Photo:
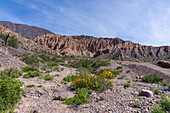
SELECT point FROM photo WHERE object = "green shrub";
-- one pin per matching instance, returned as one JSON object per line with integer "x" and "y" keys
{"x": 31, "y": 85}
{"x": 119, "y": 67}
{"x": 69, "y": 78}
{"x": 40, "y": 77}
{"x": 129, "y": 81}
{"x": 3, "y": 36}
{"x": 83, "y": 70}
{"x": 92, "y": 82}
{"x": 10, "y": 93}
{"x": 39, "y": 86}
{"x": 169, "y": 86}
{"x": 128, "y": 71}
{"x": 29, "y": 68}
{"x": 138, "y": 84}
{"x": 32, "y": 74}
{"x": 51, "y": 67}
{"x": 10, "y": 72}
{"x": 90, "y": 64}
{"x": 57, "y": 74}
{"x": 48, "y": 77}
{"x": 45, "y": 57}
{"x": 158, "y": 110}
{"x": 137, "y": 103}
{"x": 79, "y": 99}
{"x": 108, "y": 69}
{"x": 90, "y": 92}
{"x": 31, "y": 60}
{"x": 13, "y": 42}
{"x": 165, "y": 103}
{"x": 151, "y": 79}
{"x": 156, "y": 90}
{"x": 126, "y": 85}
{"x": 164, "y": 83}
{"x": 44, "y": 68}
{"x": 24, "y": 54}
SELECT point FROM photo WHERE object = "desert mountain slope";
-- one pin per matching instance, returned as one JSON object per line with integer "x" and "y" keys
{"x": 112, "y": 48}
{"x": 26, "y": 43}
{"x": 27, "y": 31}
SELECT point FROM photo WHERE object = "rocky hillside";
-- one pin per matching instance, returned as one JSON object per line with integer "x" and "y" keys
{"x": 26, "y": 43}
{"x": 27, "y": 31}
{"x": 111, "y": 48}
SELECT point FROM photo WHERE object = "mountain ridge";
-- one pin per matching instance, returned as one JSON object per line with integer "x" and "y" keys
{"x": 26, "y": 31}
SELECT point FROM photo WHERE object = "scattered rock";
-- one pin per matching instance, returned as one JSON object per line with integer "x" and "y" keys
{"x": 146, "y": 93}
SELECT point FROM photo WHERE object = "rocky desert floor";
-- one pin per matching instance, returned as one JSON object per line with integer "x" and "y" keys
{"x": 115, "y": 100}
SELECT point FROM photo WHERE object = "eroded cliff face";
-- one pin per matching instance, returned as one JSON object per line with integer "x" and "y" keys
{"x": 111, "y": 48}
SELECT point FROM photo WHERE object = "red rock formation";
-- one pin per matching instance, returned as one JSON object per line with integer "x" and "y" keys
{"x": 114, "y": 48}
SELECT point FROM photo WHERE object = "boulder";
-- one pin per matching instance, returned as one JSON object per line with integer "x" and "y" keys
{"x": 163, "y": 64}
{"x": 146, "y": 93}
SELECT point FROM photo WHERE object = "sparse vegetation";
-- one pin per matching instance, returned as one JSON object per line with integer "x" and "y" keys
{"x": 137, "y": 103}
{"x": 164, "y": 106}
{"x": 13, "y": 42}
{"x": 29, "y": 68}
{"x": 156, "y": 90}
{"x": 32, "y": 74}
{"x": 126, "y": 85}
{"x": 158, "y": 110}
{"x": 39, "y": 86}
{"x": 119, "y": 67}
{"x": 45, "y": 57}
{"x": 31, "y": 85}
{"x": 151, "y": 79}
{"x": 69, "y": 78}
{"x": 109, "y": 70}
{"x": 128, "y": 71}
{"x": 11, "y": 72}
{"x": 83, "y": 70}
{"x": 31, "y": 60}
{"x": 164, "y": 83}
{"x": 90, "y": 64}
{"x": 79, "y": 99}
{"x": 57, "y": 74}
{"x": 165, "y": 103}
{"x": 48, "y": 77}
{"x": 52, "y": 67}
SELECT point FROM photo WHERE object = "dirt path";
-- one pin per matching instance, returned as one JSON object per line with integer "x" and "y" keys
{"x": 41, "y": 99}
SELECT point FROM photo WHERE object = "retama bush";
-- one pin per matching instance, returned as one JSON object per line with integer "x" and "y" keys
{"x": 10, "y": 90}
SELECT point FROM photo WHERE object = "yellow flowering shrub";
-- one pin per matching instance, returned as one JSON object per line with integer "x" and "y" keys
{"x": 107, "y": 74}
{"x": 92, "y": 82}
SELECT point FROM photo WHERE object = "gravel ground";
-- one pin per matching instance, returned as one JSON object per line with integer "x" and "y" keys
{"x": 115, "y": 100}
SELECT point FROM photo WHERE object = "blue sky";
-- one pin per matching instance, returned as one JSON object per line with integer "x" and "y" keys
{"x": 141, "y": 21}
